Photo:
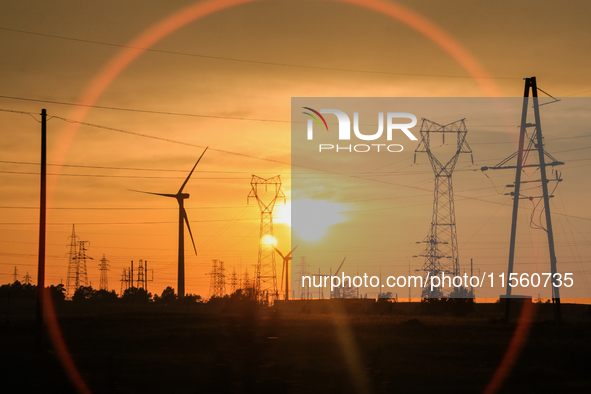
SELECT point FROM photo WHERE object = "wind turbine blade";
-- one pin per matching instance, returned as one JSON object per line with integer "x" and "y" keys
{"x": 156, "y": 194}
{"x": 191, "y": 173}
{"x": 336, "y": 273}
{"x": 280, "y": 254}
{"x": 289, "y": 254}
{"x": 189, "y": 227}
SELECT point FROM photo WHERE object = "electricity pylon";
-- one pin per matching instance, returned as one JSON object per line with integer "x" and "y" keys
{"x": 544, "y": 159}
{"x": 77, "y": 273}
{"x": 266, "y": 192}
{"x": 217, "y": 284}
{"x": 304, "y": 271}
{"x": 441, "y": 250}
{"x": 234, "y": 282}
{"x": 104, "y": 267}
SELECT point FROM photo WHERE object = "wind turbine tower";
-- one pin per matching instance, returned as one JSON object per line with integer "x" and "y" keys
{"x": 286, "y": 271}
{"x": 441, "y": 250}
{"x": 180, "y": 198}
{"x": 266, "y": 192}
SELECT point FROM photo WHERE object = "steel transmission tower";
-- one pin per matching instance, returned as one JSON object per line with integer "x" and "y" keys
{"x": 266, "y": 192}
{"x": 246, "y": 280}
{"x": 141, "y": 277}
{"x": 77, "y": 274}
{"x": 27, "y": 279}
{"x": 104, "y": 267}
{"x": 304, "y": 271}
{"x": 15, "y": 275}
{"x": 234, "y": 281}
{"x": 125, "y": 280}
{"x": 217, "y": 284}
{"x": 441, "y": 245}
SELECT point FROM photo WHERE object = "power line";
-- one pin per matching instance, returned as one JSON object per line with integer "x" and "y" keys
{"x": 119, "y": 168}
{"x": 109, "y": 176}
{"x": 117, "y": 223}
{"x": 144, "y": 111}
{"x": 117, "y": 208}
{"x": 267, "y": 63}
{"x": 169, "y": 140}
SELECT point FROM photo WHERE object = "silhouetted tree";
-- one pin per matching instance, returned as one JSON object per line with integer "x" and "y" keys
{"x": 193, "y": 298}
{"x": 18, "y": 290}
{"x": 105, "y": 296}
{"x": 84, "y": 294}
{"x": 136, "y": 295}
{"x": 57, "y": 293}
{"x": 168, "y": 296}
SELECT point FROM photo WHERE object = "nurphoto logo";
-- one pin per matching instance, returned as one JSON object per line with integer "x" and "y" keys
{"x": 345, "y": 130}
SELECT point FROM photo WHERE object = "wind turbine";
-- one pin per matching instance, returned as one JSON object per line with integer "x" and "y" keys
{"x": 286, "y": 260}
{"x": 180, "y": 197}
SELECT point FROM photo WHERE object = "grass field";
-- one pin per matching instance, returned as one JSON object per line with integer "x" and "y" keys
{"x": 197, "y": 349}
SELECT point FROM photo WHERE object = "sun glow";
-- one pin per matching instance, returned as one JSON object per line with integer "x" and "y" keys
{"x": 311, "y": 218}
{"x": 269, "y": 240}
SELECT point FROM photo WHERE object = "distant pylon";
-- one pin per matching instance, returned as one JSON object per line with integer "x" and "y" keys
{"x": 82, "y": 272}
{"x": 124, "y": 280}
{"x": 217, "y": 284}
{"x": 246, "y": 280}
{"x": 15, "y": 275}
{"x": 104, "y": 267}
{"x": 304, "y": 271}
{"x": 72, "y": 280}
{"x": 441, "y": 250}
{"x": 27, "y": 279}
{"x": 141, "y": 278}
{"x": 265, "y": 280}
{"x": 233, "y": 282}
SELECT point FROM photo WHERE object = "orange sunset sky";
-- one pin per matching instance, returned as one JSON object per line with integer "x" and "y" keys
{"x": 226, "y": 81}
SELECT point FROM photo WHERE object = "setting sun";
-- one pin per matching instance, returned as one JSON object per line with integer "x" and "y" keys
{"x": 313, "y": 217}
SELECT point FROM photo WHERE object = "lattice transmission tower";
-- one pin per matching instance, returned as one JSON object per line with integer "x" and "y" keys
{"x": 266, "y": 192}
{"x": 304, "y": 270}
{"x": 125, "y": 280}
{"x": 217, "y": 284}
{"x": 234, "y": 281}
{"x": 104, "y": 268}
{"x": 441, "y": 245}
{"x": 246, "y": 285}
{"x": 77, "y": 273}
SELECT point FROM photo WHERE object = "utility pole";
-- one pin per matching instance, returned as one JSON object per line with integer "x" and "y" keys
{"x": 42, "y": 226}
{"x": 536, "y": 144}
